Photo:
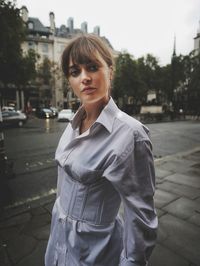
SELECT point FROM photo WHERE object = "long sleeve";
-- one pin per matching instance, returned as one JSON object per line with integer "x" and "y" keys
{"x": 59, "y": 181}
{"x": 132, "y": 174}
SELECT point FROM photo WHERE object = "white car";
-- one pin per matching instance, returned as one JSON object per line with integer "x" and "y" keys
{"x": 65, "y": 115}
{"x": 13, "y": 118}
{"x": 7, "y": 108}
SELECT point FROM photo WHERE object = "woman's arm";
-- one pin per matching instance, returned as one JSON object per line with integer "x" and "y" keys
{"x": 133, "y": 176}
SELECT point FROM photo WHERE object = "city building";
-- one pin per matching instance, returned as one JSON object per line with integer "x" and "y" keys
{"x": 84, "y": 27}
{"x": 49, "y": 43}
{"x": 96, "y": 30}
{"x": 70, "y": 23}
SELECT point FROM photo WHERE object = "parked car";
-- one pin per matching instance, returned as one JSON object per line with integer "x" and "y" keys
{"x": 44, "y": 113}
{"x": 7, "y": 108}
{"x": 13, "y": 118}
{"x": 65, "y": 115}
{"x": 54, "y": 110}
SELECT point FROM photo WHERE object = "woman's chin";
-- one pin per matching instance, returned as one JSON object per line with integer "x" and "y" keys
{"x": 95, "y": 99}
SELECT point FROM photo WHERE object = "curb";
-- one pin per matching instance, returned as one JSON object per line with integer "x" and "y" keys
{"x": 176, "y": 155}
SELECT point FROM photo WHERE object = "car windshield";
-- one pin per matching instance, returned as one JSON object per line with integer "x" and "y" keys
{"x": 8, "y": 108}
{"x": 66, "y": 111}
{"x": 47, "y": 110}
{"x": 9, "y": 113}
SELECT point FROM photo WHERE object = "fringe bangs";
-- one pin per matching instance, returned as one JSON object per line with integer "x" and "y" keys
{"x": 83, "y": 52}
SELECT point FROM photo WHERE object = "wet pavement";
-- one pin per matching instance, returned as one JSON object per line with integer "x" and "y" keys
{"x": 24, "y": 230}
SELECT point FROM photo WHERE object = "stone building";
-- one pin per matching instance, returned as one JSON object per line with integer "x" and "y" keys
{"x": 49, "y": 42}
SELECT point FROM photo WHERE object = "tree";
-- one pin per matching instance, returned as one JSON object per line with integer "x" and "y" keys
{"x": 27, "y": 70}
{"x": 164, "y": 76}
{"x": 11, "y": 37}
{"x": 149, "y": 71}
{"x": 46, "y": 74}
{"x": 192, "y": 81}
{"x": 126, "y": 79}
{"x": 177, "y": 76}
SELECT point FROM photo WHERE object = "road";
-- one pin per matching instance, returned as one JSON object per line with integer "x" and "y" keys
{"x": 32, "y": 149}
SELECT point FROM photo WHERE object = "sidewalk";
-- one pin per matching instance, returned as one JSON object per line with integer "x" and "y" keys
{"x": 24, "y": 230}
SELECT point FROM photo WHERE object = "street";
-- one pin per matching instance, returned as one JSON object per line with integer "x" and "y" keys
{"x": 32, "y": 149}
{"x": 32, "y": 192}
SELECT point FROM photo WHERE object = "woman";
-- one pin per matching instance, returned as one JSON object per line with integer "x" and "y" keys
{"x": 104, "y": 157}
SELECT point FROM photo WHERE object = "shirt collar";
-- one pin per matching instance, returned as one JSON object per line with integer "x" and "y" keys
{"x": 106, "y": 117}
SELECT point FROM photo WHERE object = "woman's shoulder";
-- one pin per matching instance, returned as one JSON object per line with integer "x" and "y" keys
{"x": 128, "y": 125}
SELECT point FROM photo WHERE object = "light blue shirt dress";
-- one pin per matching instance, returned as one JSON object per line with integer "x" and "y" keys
{"x": 109, "y": 164}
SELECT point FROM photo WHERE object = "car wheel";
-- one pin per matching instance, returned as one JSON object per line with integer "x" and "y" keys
{"x": 20, "y": 124}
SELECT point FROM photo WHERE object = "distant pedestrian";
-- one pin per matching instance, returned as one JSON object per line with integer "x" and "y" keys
{"x": 104, "y": 158}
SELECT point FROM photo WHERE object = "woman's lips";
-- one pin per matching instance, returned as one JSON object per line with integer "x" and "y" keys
{"x": 88, "y": 90}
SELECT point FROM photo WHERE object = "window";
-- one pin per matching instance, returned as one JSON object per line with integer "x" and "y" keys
{"x": 45, "y": 48}
{"x": 31, "y": 45}
{"x": 30, "y": 25}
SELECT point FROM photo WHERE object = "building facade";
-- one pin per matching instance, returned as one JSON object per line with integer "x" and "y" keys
{"x": 49, "y": 43}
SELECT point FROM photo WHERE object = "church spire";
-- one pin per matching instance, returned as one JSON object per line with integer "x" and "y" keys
{"x": 174, "y": 50}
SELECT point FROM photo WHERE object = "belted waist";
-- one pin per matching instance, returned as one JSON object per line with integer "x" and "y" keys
{"x": 97, "y": 203}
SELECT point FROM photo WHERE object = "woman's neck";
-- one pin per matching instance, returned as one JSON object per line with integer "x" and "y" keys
{"x": 92, "y": 111}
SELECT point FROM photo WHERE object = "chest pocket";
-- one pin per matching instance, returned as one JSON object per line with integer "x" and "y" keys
{"x": 83, "y": 174}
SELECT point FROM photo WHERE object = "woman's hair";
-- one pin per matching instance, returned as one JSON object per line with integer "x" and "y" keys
{"x": 84, "y": 49}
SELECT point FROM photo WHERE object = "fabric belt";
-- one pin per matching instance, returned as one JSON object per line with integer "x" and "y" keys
{"x": 96, "y": 203}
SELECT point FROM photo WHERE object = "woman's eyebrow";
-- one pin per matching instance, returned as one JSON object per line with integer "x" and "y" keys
{"x": 73, "y": 66}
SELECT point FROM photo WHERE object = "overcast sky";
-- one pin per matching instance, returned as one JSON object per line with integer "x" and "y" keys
{"x": 137, "y": 26}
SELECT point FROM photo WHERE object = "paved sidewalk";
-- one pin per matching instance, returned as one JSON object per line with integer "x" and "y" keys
{"x": 24, "y": 230}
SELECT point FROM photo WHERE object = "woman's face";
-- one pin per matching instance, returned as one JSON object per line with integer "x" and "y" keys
{"x": 91, "y": 81}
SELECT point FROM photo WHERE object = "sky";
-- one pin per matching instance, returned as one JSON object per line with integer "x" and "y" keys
{"x": 136, "y": 26}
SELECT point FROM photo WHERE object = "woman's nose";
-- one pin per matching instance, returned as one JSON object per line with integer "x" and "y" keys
{"x": 85, "y": 77}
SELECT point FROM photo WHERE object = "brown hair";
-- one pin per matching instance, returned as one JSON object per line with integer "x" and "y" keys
{"x": 83, "y": 49}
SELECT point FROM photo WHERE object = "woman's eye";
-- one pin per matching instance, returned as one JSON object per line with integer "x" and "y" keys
{"x": 92, "y": 68}
{"x": 74, "y": 73}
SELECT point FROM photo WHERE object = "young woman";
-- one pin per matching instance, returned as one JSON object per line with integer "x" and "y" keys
{"x": 104, "y": 158}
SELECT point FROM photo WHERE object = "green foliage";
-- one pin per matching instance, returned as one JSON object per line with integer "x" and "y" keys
{"x": 11, "y": 37}
{"x": 192, "y": 82}
{"x": 27, "y": 71}
{"x": 45, "y": 72}
{"x": 127, "y": 80}
{"x": 164, "y": 80}
{"x": 148, "y": 69}
{"x": 136, "y": 77}
{"x": 181, "y": 82}
{"x": 14, "y": 67}
{"x": 193, "y": 72}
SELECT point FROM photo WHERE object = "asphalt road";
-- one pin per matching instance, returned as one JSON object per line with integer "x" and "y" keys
{"x": 32, "y": 149}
